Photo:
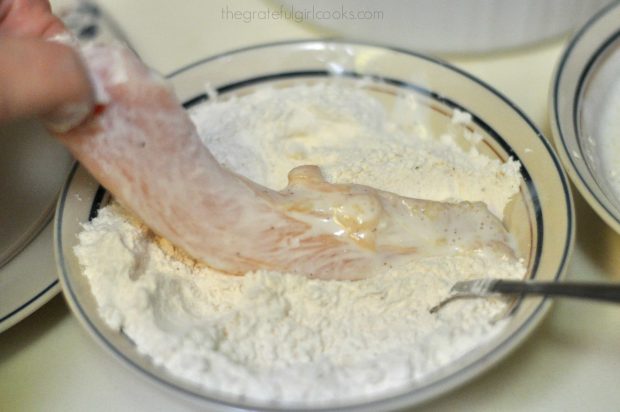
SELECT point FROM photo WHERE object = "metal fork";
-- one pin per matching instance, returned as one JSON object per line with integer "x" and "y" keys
{"x": 480, "y": 288}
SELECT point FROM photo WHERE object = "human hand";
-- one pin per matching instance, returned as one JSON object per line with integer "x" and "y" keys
{"x": 39, "y": 77}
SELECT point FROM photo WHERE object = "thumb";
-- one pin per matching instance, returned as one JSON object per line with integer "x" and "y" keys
{"x": 45, "y": 79}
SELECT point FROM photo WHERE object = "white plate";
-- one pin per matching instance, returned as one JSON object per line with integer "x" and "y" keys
{"x": 33, "y": 166}
{"x": 583, "y": 78}
{"x": 541, "y": 216}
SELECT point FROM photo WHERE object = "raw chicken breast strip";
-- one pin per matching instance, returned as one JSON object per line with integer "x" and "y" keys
{"x": 144, "y": 149}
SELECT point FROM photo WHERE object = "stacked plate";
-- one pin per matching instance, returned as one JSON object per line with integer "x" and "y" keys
{"x": 34, "y": 167}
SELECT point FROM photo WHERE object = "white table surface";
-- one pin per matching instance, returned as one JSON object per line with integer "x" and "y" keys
{"x": 570, "y": 363}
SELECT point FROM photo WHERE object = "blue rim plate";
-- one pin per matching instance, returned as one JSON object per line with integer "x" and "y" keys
{"x": 28, "y": 280}
{"x": 580, "y": 82}
{"x": 34, "y": 168}
{"x": 542, "y": 216}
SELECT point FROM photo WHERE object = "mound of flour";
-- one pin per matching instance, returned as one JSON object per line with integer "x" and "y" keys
{"x": 283, "y": 338}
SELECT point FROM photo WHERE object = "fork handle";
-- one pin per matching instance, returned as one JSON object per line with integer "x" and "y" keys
{"x": 598, "y": 291}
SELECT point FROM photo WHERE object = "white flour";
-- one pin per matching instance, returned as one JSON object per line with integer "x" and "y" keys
{"x": 284, "y": 338}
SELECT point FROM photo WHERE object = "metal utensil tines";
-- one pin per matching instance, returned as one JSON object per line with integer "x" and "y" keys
{"x": 481, "y": 288}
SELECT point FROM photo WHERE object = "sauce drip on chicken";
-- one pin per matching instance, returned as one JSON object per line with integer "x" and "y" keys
{"x": 143, "y": 147}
